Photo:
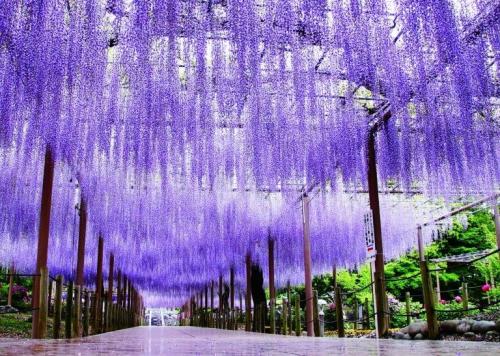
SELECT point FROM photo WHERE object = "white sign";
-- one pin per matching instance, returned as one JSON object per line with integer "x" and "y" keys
{"x": 369, "y": 234}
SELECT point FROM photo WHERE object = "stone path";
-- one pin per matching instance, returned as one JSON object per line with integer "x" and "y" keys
{"x": 201, "y": 341}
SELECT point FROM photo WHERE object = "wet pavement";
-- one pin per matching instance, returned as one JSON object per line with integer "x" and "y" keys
{"x": 201, "y": 341}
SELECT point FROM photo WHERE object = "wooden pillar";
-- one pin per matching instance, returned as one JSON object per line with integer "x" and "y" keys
{"x": 289, "y": 297}
{"x": 82, "y": 231}
{"x": 339, "y": 313}
{"x": 307, "y": 267}
{"x": 43, "y": 303}
{"x": 248, "y": 294}
{"x": 98, "y": 292}
{"x": 496, "y": 215}
{"x": 86, "y": 312}
{"x": 408, "y": 308}
{"x": 380, "y": 288}
{"x": 298, "y": 327}
{"x": 69, "y": 311}
{"x": 284, "y": 319}
{"x": 43, "y": 241}
{"x": 316, "y": 314}
{"x": 220, "y": 319}
{"x": 438, "y": 288}
{"x": 119, "y": 287}
{"x": 432, "y": 323}
{"x": 272, "y": 291}
{"x": 231, "y": 286}
{"x": 212, "y": 304}
{"x": 110, "y": 291}
{"x": 12, "y": 271}
{"x": 58, "y": 308}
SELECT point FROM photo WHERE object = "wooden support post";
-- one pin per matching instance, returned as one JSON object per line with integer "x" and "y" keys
{"x": 284, "y": 318}
{"x": 356, "y": 314}
{"x": 44, "y": 306}
{"x": 82, "y": 231}
{"x": 367, "y": 314}
{"x": 339, "y": 312}
{"x": 207, "y": 319}
{"x": 43, "y": 241}
{"x": 272, "y": 291}
{"x": 69, "y": 311}
{"x": 307, "y": 267}
{"x": 231, "y": 286}
{"x": 408, "y": 308}
{"x": 86, "y": 314}
{"x": 465, "y": 296}
{"x": 58, "y": 308}
{"x": 248, "y": 294}
{"x": 220, "y": 319}
{"x": 438, "y": 288}
{"x": 119, "y": 288}
{"x": 427, "y": 289}
{"x": 98, "y": 292}
{"x": 316, "y": 313}
{"x": 49, "y": 300}
{"x": 289, "y": 304}
{"x": 380, "y": 288}
{"x": 212, "y": 304}
{"x": 298, "y": 328}
{"x": 496, "y": 215}
{"x": 12, "y": 271}
{"x": 110, "y": 291}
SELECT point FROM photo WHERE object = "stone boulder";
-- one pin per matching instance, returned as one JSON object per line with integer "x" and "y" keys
{"x": 464, "y": 326}
{"x": 483, "y": 326}
{"x": 470, "y": 336}
{"x": 449, "y": 326}
{"x": 419, "y": 336}
{"x": 418, "y": 327}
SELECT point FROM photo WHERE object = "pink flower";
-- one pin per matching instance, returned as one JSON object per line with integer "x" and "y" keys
{"x": 458, "y": 299}
{"x": 486, "y": 287}
{"x": 442, "y": 301}
{"x": 331, "y": 306}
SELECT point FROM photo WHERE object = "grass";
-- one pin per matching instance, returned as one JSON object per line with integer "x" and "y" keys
{"x": 15, "y": 325}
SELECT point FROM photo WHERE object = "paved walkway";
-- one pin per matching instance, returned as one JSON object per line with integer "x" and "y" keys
{"x": 198, "y": 341}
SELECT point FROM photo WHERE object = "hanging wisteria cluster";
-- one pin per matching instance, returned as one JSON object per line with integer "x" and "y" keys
{"x": 189, "y": 127}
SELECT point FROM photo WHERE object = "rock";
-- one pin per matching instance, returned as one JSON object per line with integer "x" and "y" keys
{"x": 449, "y": 326}
{"x": 416, "y": 328}
{"x": 492, "y": 335}
{"x": 470, "y": 336}
{"x": 419, "y": 336}
{"x": 399, "y": 335}
{"x": 463, "y": 327}
{"x": 406, "y": 337}
{"x": 483, "y": 326}
{"x": 405, "y": 330}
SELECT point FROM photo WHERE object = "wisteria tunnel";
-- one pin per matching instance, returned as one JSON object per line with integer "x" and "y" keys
{"x": 194, "y": 157}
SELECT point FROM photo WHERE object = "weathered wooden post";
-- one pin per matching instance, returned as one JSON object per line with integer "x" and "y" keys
{"x": 316, "y": 313}
{"x": 465, "y": 296}
{"x": 427, "y": 289}
{"x": 339, "y": 312}
{"x": 272, "y": 291}
{"x": 207, "y": 319}
{"x": 44, "y": 305}
{"x": 220, "y": 321}
{"x": 212, "y": 304}
{"x": 98, "y": 292}
{"x": 367, "y": 314}
{"x": 408, "y": 308}
{"x": 77, "y": 329}
{"x": 298, "y": 329}
{"x": 248, "y": 294}
{"x": 231, "y": 286}
{"x": 86, "y": 312}
{"x": 69, "y": 311}
{"x": 356, "y": 314}
{"x": 438, "y": 288}
{"x": 12, "y": 271}
{"x": 110, "y": 292}
{"x": 289, "y": 304}
{"x": 58, "y": 308}
{"x": 307, "y": 266}
{"x": 284, "y": 318}
{"x": 379, "y": 282}
{"x": 43, "y": 242}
